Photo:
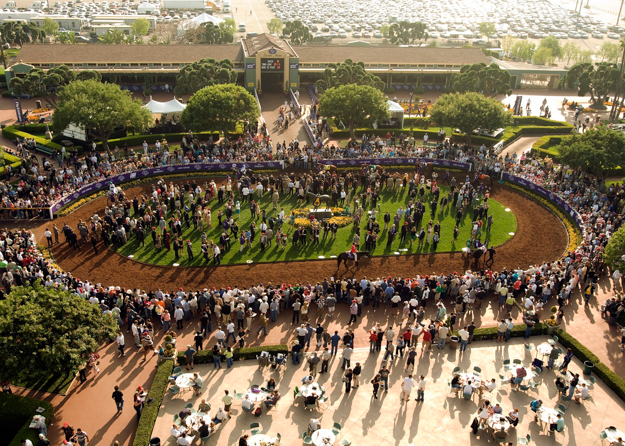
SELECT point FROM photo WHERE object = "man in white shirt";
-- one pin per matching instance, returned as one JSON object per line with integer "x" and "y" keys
{"x": 313, "y": 425}
{"x": 230, "y": 330}
{"x": 464, "y": 338}
{"x": 406, "y": 388}
{"x": 220, "y": 336}
{"x": 421, "y": 388}
{"x": 468, "y": 389}
{"x": 121, "y": 343}
{"x": 178, "y": 316}
{"x": 442, "y": 336}
{"x": 246, "y": 404}
{"x": 183, "y": 440}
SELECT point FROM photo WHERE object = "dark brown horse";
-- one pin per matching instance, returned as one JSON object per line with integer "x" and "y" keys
{"x": 345, "y": 256}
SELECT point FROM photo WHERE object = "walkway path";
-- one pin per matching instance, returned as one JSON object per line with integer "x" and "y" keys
{"x": 271, "y": 103}
{"x": 520, "y": 146}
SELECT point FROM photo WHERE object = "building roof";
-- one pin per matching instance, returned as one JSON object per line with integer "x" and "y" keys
{"x": 391, "y": 54}
{"x": 124, "y": 54}
{"x": 256, "y": 44}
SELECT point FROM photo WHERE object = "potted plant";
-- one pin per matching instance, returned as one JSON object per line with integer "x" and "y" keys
{"x": 552, "y": 323}
{"x": 170, "y": 340}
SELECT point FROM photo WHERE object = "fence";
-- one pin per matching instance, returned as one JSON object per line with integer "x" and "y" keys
{"x": 397, "y": 161}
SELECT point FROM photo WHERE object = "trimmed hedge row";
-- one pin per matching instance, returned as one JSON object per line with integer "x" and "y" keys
{"x": 13, "y": 407}
{"x": 11, "y": 132}
{"x": 206, "y": 356}
{"x": 536, "y": 121}
{"x": 484, "y": 334}
{"x": 603, "y": 372}
{"x": 33, "y": 129}
{"x": 150, "y": 410}
{"x": 137, "y": 140}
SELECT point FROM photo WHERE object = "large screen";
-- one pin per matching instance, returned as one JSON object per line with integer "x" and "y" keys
{"x": 271, "y": 64}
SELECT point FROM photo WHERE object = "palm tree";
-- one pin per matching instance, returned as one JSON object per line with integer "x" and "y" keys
{"x": 616, "y": 108}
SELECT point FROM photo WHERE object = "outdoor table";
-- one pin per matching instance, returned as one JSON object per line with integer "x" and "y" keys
{"x": 184, "y": 380}
{"x": 261, "y": 440}
{"x": 529, "y": 374}
{"x": 612, "y": 435}
{"x": 497, "y": 421}
{"x": 312, "y": 389}
{"x": 322, "y": 437}
{"x": 544, "y": 349}
{"x": 261, "y": 395}
{"x": 547, "y": 415}
{"x": 193, "y": 420}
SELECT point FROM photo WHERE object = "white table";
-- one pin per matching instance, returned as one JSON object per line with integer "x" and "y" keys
{"x": 544, "y": 349}
{"x": 312, "y": 389}
{"x": 323, "y": 437}
{"x": 547, "y": 415}
{"x": 497, "y": 421}
{"x": 193, "y": 420}
{"x": 184, "y": 380}
{"x": 613, "y": 435}
{"x": 255, "y": 397}
{"x": 261, "y": 440}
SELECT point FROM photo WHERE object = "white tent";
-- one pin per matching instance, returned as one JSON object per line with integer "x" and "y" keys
{"x": 397, "y": 112}
{"x": 173, "y": 106}
{"x": 203, "y": 18}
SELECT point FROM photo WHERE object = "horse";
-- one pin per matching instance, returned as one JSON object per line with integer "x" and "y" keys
{"x": 478, "y": 253}
{"x": 322, "y": 198}
{"x": 345, "y": 256}
{"x": 330, "y": 168}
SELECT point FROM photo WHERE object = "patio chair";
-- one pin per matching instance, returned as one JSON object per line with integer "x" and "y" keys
{"x": 467, "y": 397}
{"x": 205, "y": 439}
{"x": 603, "y": 436}
{"x": 336, "y": 429}
{"x": 176, "y": 418}
{"x": 174, "y": 390}
{"x": 307, "y": 439}
{"x": 279, "y": 437}
{"x": 345, "y": 442}
{"x": 592, "y": 383}
{"x": 528, "y": 347}
{"x": 477, "y": 371}
{"x": 501, "y": 440}
{"x": 516, "y": 361}
{"x": 238, "y": 396}
{"x": 246, "y": 410}
{"x": 188, "y": 405}
{"x": 456, "y": 371}
{"x": 524, "y": 388}
{"x": 553, "y": 340}
{"x": 255, "y": 428}
{"x": 525, "y": 440}
{"x": 506, "y": 364}
{"x": 561, "y": 408}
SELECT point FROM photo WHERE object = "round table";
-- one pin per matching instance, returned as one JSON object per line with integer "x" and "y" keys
{"x": 496, "y": 421}
{"x": 193, "y": 420}
{"x": 322, "y": 437}
{"x": 255, "y": 397}
{"x": 612, "y": 435}
{"x": 184, "y": 380}
{"x": 312, "y": 389}
{"x": 548, "y": 415}
{"x": 544, "y": 349}
{"x": 261, "y": 440}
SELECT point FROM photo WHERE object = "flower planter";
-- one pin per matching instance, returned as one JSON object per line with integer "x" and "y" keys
{"x": 551, "y": 329}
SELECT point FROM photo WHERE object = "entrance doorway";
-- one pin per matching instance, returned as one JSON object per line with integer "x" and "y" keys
{"x": 273, "y": 82}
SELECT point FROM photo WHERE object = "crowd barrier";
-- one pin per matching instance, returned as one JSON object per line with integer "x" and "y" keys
{"x": 396, "y": 161}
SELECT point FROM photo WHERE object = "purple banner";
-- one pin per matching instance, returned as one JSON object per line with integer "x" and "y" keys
{"x": 18, "y": 111}
{"x": 164, "y": 170}
{"x": 396, "y": 161}
{"x": 546, "y": 194}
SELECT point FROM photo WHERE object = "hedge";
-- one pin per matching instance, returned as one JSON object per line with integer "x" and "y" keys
{"x": 536, "y": 121}
{"x": 12, "y": 133}
{"x": 484, "y": 334}
{"x": 14, "y": 408}
{"x": 206, "y": 356}
{"x": 33, "y": 129}
{"x": 150, "y": 410}
{"x": 137, "y": 140}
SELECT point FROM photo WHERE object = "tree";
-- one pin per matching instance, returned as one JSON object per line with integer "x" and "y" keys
{"x": 544, "y": 56}
{"x": 115, "y": 37}
{"x": 523, "y": 50}
{"x": 219, "y": 108}
{"x": 597, "y": 79}
{"x": 479, "y": 77}
{"x": 49, "y": 26}
{"x": 615, "y": 250}
{"x": 355, "y": 105}
{"x": 468, "y": 112}
{"x": 407, "y": 33}
{"x": 609, "y": 52}
{"x": 507, "y": 43}
{"x": 140, "y": 27}
{"x": 594, "y": 151}
{"x": 275, "y": 26}
{"x": 44, "y": 331}
{"x": 385, "y": 29}
{"x": 553, "y": 44}
{"x": 297, "y": 32}
{"x": 348, "y": 72}
{"x": 570, "y": 51}
{"x": 17, "y": 33}
{"x": 212, "y": 34}
{"x": 488, "y": 29}
{"x": 99, "y": 107}
{"x": 197, "y": 75}
{"x": 584, "y": 56}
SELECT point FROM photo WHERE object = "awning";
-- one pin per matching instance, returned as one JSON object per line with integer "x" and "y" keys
{"x": 173, "y": 106}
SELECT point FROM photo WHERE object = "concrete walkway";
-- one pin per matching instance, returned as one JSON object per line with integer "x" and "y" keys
{"x": 520, "y": 146}
{"x": 270, "y": 104}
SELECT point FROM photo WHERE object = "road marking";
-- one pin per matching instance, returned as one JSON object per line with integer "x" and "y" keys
{"x": 255, "y": 16}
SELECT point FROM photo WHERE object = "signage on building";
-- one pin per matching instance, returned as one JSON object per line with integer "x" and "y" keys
{"x": 294, "y": 66}
{"x": 250, "y": 66}
{"x": 271, "y": 64}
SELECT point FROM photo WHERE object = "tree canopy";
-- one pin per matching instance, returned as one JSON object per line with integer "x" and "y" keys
{"x": 100, "y": 108}
{"x": 488, "y": 29}
{"x": 544, "y": 56}
{"x": 523, "y": 49}
{"x": 355, "y": 105}
{"x": 140, "y": 27}
{"x": 407, "y": 33}
{"x": 49, "y": 26}
{"x": 45, "y": 330}
{"x": 219, "y": 108}
{"x": 597, "y": 79}
{"x": 46, "y": 83}
{"x": 469, "y": 111}
{"x": 609, "y": 52}
{"x": 196, "y": 75}
{"x": 348, "y": 72}
{"x": 297, "y": 32}
{"x": 18, "y": 33}
{"x": 615, "y": 250}
{"x": 553, "y": 44}
{"x": 479, "y": 77}
{"x": 275, "y": 26}
{"x": 593, "y": 151}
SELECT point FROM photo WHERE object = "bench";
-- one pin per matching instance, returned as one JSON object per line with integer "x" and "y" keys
{"x": 44, "y": 149}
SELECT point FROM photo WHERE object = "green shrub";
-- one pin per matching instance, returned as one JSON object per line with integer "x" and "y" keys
{"x": 536, "y": 121}
{"x": 11, "y": 132}
{"x": 484, "y": 334}
{"x": 150, "y": 410}
{"x": 206, "y": 356}
{"x": 33, "y": 129}
{"x": 389, "y": 90}
{"x": 14, "y": 409}
{"x": 611, "y": 379}
{"x": 418, "y": 90}
{"x": 137, "y": 140}
{"x": 418, "y": 123}
{"x": 579, "y": 350}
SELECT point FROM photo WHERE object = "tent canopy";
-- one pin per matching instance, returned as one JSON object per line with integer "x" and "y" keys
{"x": 173, "y": 106}
{"x": 394, "y": 107}
{"x": 203, "y": 18}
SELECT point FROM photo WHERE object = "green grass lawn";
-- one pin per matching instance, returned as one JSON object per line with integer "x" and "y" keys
{"x": 57, "y": 383}
{"x": 16, "y": 412}
{"x": 504, "y": 223}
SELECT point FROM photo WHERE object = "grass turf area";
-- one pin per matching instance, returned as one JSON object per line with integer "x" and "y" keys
{"x": 58, "y": 383}
{"x": 504, "y": 223}
{"x": 16, "y": 412}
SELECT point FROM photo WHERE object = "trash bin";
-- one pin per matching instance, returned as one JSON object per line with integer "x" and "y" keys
{"x": 453, "y": 342}
{"x": 155, "y": 441}
{"x": 588, "y": 366}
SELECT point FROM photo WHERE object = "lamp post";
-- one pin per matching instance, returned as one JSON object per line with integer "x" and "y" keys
{"x": 410, "y": 104}
{"x": 4, "y": 61}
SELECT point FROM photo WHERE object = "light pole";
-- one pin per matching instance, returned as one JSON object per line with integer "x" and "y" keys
{"x": 4, "y": 61}
{"x": 618, "y": 17}
{"x": 410, "y": 104}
